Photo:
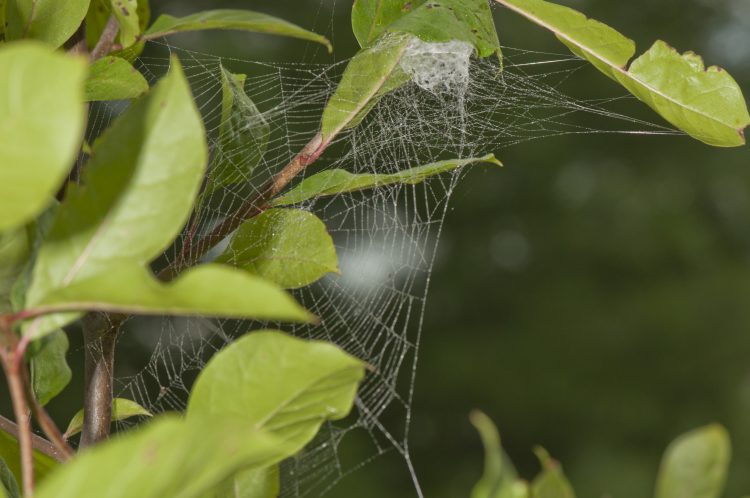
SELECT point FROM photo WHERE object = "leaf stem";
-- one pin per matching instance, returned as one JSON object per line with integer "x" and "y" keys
{"x": 107, "y": 39}
{"x": 99, "y": 339}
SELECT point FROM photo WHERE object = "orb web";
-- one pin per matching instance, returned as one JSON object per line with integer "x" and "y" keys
{"x": 385, "y": 238}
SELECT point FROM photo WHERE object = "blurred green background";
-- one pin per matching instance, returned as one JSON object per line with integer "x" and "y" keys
{"x": 592, "y": 297}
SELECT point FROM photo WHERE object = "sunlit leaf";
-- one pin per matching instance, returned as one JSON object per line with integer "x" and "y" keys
{"x": 290, "y": 247}
{"x": 138, "y": 191}
{"x": 34, "y": 112}
{"x": 170, "y": 457}
{"x": 337, "y": 181}
{"x": 50, "y": 21}
{"x": 499, "y": 477}
{"x": 122, "y": 409}
{"x": 113, "y": 78}
{"x": 432, "y": 21}
{"x": 204, "y": 290}
{"x": 50, "y": 373}
{"x": 551, "y": 482}
{"x": 290, "y": 386}
{"x": 705, "y": 103}
{"x": 244, "y": 20}
{"x": 695, "y": 464}
{"x": 256, "y": 483}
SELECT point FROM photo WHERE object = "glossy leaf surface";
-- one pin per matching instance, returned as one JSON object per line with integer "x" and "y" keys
{"x": 169, "y": 457}
{"x": 50, "y": 21}
{"x": 113, "y": 78}
{"x": 33, "y": 112}
{"x": 290, "y": 386}
{"x": 290, "y": 247}
{"x": 205, "y": 290}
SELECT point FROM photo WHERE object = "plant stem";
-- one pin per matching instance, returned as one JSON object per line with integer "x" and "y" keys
{"x": 256, "y": 205}
{"x": 39, "y": 444}
{"x": 107, "y": 39}
{"x": 64, "y": 451}
{"x": 99, "y": 339}
{"x": 12, "y": 366}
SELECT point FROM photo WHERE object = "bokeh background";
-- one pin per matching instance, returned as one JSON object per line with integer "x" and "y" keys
{"x": 592, "y": 297}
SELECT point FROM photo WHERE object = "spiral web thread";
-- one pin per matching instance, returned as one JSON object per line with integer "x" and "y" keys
{"x": 385, "y": 238}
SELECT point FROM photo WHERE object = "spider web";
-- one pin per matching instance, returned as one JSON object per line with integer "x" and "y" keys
{"x": 386, "y": 239}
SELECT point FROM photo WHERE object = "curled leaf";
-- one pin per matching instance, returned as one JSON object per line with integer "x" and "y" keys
{"x": 705, "y": 103}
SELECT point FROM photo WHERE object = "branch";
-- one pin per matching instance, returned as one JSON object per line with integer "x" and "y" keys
{"x": 107, "y": 39}
{"x": 99, "y": 338}
{"x": 191, "y": 253}
{"x": 12, "y": 368}
{"x": 62, "y": 449}
{"x": 39, "y": 444}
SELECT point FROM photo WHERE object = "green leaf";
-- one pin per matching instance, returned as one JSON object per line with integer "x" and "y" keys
{"x": 256, "y": 483}
{"x": 337, "y": 181}
{"x": 205, "y": 290}
{"x": 499, "y": 477}
{"x": 10, "y": 453}
{"x": 9, "y": 487}
{"x": 372, "y": 73}
{"x": 113, "y": 78}
{"x": 15, "y": 249}
{"x": 169, "y": 457}
{"x": 126, "y": 12}
{"x": 695, "y": 464}
{"x": 290, "y": 386}
{"x": 705, "y": 103}
{"x": 289, "y": 247}
{"x": 138, "y": 191}
{"x": 122, "y": 409}
{"x": 243, "y": 136}
{"x": 50, "y": 373}
{"x": 97, "y": 17}
{"x": 432, "y": 21}
{"x": 551, "y": 482}
{"x": 50, "y": 21}
{"x": 244, "y": 20}
{"x": 34, "y": 112}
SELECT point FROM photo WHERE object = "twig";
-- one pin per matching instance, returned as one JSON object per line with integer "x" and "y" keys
{"x": 12, "y": 369}
{"x": 39, "y": 444}
{"x": 107, "y": 39}
{"x": 99, "y": 338}
{"x": 193, "y": 252}
{"x": 63, "y": 450}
